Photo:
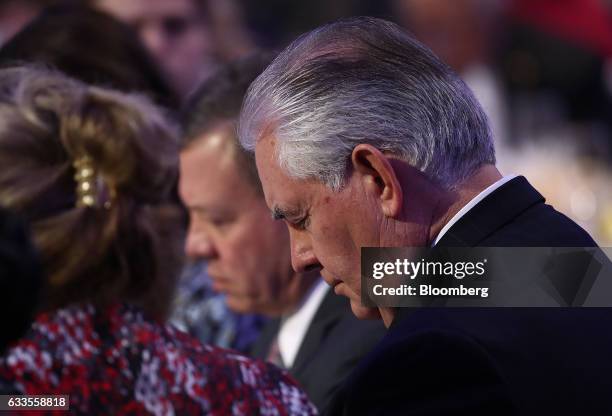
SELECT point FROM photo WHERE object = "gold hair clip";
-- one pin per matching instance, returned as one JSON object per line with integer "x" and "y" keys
{"x": 91, "y": 189}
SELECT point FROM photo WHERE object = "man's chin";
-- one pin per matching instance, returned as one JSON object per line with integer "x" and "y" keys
{"x": 362, "y": 312}
{"x": 239, "y": 305}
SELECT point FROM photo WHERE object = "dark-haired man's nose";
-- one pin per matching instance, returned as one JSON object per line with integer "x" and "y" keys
{"x": 199, "y": 246}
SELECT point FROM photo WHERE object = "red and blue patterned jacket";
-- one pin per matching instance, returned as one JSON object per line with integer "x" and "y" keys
{"x": 119, "y": 362}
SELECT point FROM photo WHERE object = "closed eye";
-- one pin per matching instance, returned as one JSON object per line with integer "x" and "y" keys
{"x": 301, "y": 224}
{"x": 294, "y": 218}
{"x": 220, "y": 222}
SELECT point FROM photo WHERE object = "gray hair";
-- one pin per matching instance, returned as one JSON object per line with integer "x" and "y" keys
{"x": 365, "y": 80}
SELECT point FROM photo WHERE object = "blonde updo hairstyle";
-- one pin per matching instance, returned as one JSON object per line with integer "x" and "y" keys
{"x": 127, "y": 247}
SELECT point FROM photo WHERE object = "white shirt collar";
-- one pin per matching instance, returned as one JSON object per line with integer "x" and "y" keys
{"x": 471, "y": 205}
{"x": 294, "y": 326}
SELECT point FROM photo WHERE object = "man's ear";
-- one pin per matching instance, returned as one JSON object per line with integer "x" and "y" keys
{"x": 378, "y": 176}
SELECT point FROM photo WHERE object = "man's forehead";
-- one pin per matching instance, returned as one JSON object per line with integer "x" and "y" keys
{"x": 265, "y": 149}
{"x": 275, "y": 182}
{"x": 208, "y": 153}
{"x": 209, "y": 171}
{"x": 266, "y": 161}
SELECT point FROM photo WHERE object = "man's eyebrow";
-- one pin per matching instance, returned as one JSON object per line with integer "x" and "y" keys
{"x": 205, "y": 210}
{"x": 197, "y": 208}
{"x": 279, "y": 213}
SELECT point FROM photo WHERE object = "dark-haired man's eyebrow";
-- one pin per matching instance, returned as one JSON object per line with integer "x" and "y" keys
{"x": 206, "y": 210}
{"x": 197, "y": 208}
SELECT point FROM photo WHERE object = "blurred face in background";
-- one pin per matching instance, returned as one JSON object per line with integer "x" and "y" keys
{"x": 174, "y": 32}
{"x": 14, "y": 15}
{"x": 247, "y": 252}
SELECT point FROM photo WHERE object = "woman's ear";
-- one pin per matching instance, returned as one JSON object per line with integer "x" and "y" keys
{"x": 377, "y": 175}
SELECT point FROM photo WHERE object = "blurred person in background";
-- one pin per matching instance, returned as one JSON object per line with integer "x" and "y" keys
{"x": 92, "y": 47}
{"x": 93, "y": 171}
{"x": 465, "y": 34}
{"x": 15, "y": 14}
{"x": 233, "y": 38}
{"x": 312, "y": 332}
{"x": 177, "y": 33}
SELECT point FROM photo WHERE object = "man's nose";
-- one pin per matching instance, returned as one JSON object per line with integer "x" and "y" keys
{"x": 154, "y": 38}
{"x": 303, "y": 258}
{"x": 199, "y": 246}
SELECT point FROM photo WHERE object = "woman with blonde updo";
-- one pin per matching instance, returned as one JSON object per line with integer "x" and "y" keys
{"x": 94, "y": 173}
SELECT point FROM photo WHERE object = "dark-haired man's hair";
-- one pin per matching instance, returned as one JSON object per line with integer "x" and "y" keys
{"x": 217, "y": 102}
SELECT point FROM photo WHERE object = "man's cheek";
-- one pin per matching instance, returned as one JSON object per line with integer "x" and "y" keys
{"x": 240, "y": 298}
{"x": 237, "y": 304}
{"x": 338, "y": 267}
{"x": 362, "y": 312}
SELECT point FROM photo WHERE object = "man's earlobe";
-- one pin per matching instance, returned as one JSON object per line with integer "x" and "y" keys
{"x": 379, "y": 177}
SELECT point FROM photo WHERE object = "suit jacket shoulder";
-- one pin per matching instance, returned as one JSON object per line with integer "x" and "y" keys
{"x": 491, "y": 361}
{"x": 515, "y": 215}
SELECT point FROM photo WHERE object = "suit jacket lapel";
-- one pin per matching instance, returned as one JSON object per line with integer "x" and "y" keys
{"x": 328, "y": 314}
{"x": 500, "y": 207}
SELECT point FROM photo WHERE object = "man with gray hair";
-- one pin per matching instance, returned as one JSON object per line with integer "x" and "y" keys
{"x": 311, "y": 331}
{"x": 363, "y": 138}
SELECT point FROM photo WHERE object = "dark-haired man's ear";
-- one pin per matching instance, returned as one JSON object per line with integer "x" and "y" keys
{"x": 378, "y": 176}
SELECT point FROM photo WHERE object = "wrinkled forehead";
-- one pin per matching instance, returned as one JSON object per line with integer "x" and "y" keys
{"x": 280, "y": 190}
{"x": 266, "y": 152}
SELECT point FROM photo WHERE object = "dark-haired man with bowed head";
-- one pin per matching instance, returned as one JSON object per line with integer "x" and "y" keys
{"x": 364, "y": 138}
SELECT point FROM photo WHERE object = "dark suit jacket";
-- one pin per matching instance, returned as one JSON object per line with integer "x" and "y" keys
{"x": 334, "y": 343}
{"x": 496, "y": 361}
